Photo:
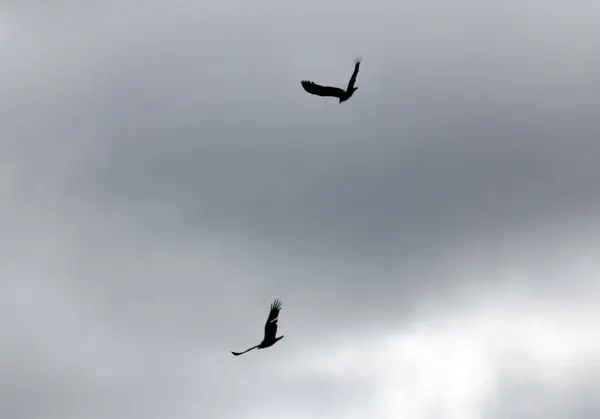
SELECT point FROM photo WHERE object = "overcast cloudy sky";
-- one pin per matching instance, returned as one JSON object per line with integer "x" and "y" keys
{"x": 435, "y": 240}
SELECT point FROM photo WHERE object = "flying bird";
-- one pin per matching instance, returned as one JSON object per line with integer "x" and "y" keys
{"x": 270, "y": 329}
{"x": 341, "y": 94}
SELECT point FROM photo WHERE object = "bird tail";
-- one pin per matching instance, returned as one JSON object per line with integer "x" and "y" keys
{"x": 247, "y": 350}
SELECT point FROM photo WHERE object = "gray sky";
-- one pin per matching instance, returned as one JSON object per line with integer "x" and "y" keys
{"x": 434, "y": 239}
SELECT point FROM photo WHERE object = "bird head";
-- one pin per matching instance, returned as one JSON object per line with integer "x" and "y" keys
{"x": 348, "y": 94}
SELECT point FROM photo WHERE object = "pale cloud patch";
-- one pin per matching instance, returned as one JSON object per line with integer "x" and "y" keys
{"x": 451, "y": 365}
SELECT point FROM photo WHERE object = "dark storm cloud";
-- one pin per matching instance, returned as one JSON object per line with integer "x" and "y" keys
{"x": 160, "y": 138}
{"x": 440, "y": 149}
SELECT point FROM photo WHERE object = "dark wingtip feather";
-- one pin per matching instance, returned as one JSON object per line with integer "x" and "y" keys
{"x": 276, "y": 304}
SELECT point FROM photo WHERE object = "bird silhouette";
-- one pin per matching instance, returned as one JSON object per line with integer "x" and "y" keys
{"x": 270, "y": 329}
{"x": 341, "y": 94}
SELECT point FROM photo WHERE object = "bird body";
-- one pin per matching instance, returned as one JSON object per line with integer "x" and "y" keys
{"x": 343, "y": 95}
{"x": 270, "y": 337}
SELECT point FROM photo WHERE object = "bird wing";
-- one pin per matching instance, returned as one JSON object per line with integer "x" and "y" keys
{"x": 354, "y": 74}
{"x": 247, "y": 350}
{"x": 271, "y": 324}
{"x": 317, "y": 89}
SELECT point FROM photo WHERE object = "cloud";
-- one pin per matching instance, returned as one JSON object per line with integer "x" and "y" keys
{"x": 481, "y": 361}
{"x": 433, "y": 240}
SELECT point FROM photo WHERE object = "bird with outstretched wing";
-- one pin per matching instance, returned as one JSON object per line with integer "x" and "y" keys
{"x": 343, "y": 95}
{"x": 270, "y": 337}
